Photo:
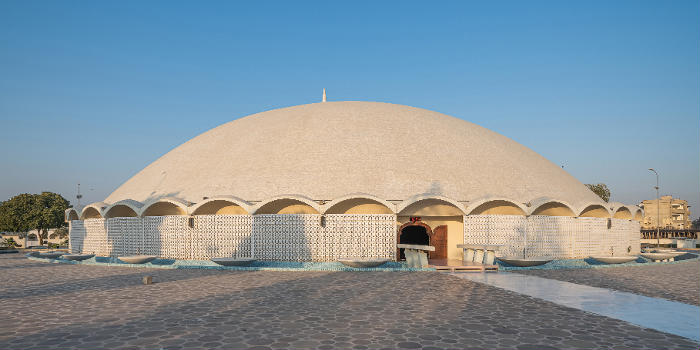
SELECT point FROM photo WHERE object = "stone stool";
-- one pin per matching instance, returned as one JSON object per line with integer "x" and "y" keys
{"x": 416, "y": 255}
{"x": 482, "y": 254}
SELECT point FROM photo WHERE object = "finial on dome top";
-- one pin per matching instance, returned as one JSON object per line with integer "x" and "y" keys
{"x": 324, "y": 95}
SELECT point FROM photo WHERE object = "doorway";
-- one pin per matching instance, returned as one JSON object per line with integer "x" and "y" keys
{"x": 413, "y": 234}
{"x": 421, "y": 234}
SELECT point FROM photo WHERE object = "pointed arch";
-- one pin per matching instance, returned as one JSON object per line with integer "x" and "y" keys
{"x": 639, "y": 215}
{"x": 123, "y": 208}
{"x": 221, "y": 205}
{"x": 72, "y": 214}
{"x": 594, "y": 210}
{"x": 430, "y": 205}
{"x": 359, "y": 203}
{"x": 288, "y": 204}
{"x": 496, "y": 206}
{"x": 165, "y": 206}
{"x": 623, "y": 213}
{"x": 551, "y": 207}
{"x": 93, "y": 211}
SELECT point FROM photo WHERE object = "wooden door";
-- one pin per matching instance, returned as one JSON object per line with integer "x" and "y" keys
{"x": 439, "y": 241}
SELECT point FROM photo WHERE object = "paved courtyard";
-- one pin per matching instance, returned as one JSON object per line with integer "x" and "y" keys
{"x": 677, "y": 282}
{"x": 77, "y": 307}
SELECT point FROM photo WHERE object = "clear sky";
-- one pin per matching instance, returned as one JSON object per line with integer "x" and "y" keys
{"x": 93, "y": 91}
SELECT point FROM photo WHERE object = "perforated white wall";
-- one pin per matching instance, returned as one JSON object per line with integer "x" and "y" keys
{"x": 76, "y": 235}
{"x": 125, "y": 236}
{"x": 553, "y": 236}
{"x": 302, "y": 237}
{"x": 273, "y": 237}
{"x": 367, "y": 236}
{"x": 221, "y": 236}
{"x": 95, "y": 237}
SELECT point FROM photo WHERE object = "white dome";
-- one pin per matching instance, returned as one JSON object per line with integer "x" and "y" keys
{"x": 328, "y": 150}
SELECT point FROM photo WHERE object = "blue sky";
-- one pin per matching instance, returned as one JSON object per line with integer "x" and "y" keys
{"x": 92, "y": 92}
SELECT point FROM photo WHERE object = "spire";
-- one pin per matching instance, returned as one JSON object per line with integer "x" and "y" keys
{"x": 324, "y": 95}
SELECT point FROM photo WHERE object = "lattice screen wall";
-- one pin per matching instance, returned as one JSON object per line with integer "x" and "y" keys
{"x": 221, "y": 236}
{"x": 125, "y": 236}
{"x": 291, "y": 237}
{"x": 95, "y": 237}
{"x": 552, "y": 236}
{"x": 302, "y": 237}
{"x": 274, "y": 237}
{"x": 367, "y": 236}
{"x": 76, "y": 230}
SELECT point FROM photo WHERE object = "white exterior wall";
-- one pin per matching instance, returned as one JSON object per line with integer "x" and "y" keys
{"x": 95, "y": 237}
{"x": 221, "y": 236}
{"x": 288, "y": 237}
{"x": 359, "y": 235}
{"x": 553, "y": 236}
{"x": 301, "y": 237}
{"x": 76, "y": 236}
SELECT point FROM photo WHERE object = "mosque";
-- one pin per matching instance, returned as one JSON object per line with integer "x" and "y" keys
{"x": 328, "y": 180}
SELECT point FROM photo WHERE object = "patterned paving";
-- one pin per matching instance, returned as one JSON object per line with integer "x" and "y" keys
{"x": 678, "y": 282}
{"x": 78, "y": 307}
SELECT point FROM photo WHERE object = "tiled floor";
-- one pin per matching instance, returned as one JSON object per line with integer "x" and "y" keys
{"x": 678, "y": 282}
{"x": 79, "y": 307}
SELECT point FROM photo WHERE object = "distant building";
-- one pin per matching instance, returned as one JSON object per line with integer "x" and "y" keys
{"x": 673, "y": 213}
{"x": 28, "y": 239}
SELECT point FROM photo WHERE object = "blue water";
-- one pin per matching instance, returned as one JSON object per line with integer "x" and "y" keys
{"x": 255, "y": 266}
{"x": 336, "y": 266}
{"x": 589, "y": 263}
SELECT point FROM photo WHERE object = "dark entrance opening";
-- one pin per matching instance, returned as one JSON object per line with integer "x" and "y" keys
{"x": 413, "y": 235}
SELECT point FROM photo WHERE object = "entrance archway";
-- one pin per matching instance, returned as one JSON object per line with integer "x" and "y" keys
{"x": 422, "y": 234}
{"x": 412, "y": 233}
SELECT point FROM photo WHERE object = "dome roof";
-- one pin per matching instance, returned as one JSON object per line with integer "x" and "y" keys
{"x": 327, "y": 150}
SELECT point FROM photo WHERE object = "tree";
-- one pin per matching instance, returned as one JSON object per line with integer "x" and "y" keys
{"x": 601, "y": 190}
{"x": 14, "y": 213}
{"x": 48, "y": 213}
{"x": 696, "y": 223}
{"x": 25, "y": 212}
{"x": 60, "y": 233}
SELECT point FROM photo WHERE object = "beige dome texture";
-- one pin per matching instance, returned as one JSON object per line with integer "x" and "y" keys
{"x": 328, "y": 150}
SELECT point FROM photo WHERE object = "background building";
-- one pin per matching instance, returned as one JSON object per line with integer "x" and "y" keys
{"x": 673, "y": 213}
{"x": 28, "y": 239}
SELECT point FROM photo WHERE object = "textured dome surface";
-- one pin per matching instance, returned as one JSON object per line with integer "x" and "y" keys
{"x": 327, "y": 150}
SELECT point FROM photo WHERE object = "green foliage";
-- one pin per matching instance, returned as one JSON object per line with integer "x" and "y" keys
{"x": 601, "y": 190}
{"x": 61, "y": 233}
{"x": 26, "y": 212}
{"x": 15, "y": 212}
{"x": 696, "y": 223}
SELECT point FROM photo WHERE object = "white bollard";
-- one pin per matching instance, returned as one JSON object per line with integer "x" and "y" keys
{"x": 410, "y": 257}
{"x": 479, "y": 256}
{"x": 422, "y": 258}
{"x": 490, "y": 257}
{"x": 468, "y": 254}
